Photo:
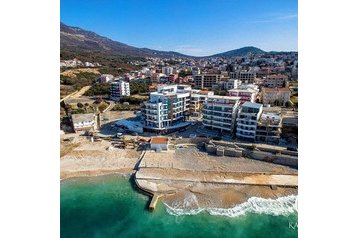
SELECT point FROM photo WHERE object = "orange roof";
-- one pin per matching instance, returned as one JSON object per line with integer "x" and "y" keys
{"x": 159, "y": 140}
{"x": 204, "y": 91}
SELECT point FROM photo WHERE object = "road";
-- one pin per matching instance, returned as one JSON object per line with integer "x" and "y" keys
{"x": 76, "y": 94}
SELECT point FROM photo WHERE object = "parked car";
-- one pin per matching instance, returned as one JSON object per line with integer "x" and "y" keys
{"x": 192, "y": 135}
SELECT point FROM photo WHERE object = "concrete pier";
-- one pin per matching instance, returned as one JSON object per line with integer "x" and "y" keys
{"x": 153, "y": 202}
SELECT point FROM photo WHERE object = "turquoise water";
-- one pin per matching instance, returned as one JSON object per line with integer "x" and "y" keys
{"x": 109, "y": 206}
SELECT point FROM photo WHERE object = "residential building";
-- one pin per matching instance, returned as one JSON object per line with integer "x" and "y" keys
{"x": 84, "y": 122}
{"x": 195, "y": 71}
{"x": 275, "y": 96}
{"x": 220, "y": 112}
{"x": 247, "y": 120}
{"x": 197, "y": 100}
{"x": 206, "y": 80}
{"x": 159, "y": 143}
{"x": 247, "y": 76}
{"x": 119, "y": 89}
{"x": 269, "y": 125}
{"x": 167, "y": 70}
{"x": 232, "y": 84}
{"x": 276, "y": 81}
{"x": 167, "y": 108}
{"x": 105, "y": 78}
{"x": 244, "y": 75}
{"x": 246, "y": 95}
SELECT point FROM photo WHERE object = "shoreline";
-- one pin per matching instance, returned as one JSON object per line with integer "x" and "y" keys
{"x": 230, "y": 201}
{"x": 95, "y": 173}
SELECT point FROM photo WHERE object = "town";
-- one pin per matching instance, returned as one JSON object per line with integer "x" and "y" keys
{"x": 228, "y": 121}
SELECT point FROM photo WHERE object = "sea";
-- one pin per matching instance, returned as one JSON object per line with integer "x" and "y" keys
{"x": 111, "y": 206}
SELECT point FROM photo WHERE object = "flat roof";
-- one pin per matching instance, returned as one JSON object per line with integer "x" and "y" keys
{"x": 82, "y": 117}
{"x": 224, "y": 97}
{"x": 276, "y": 89}
{"x": 252, "y": 104}
{"x": 159, "y": 140}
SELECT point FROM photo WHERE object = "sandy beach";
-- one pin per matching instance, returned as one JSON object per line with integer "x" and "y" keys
{"x": 188, "y": 178}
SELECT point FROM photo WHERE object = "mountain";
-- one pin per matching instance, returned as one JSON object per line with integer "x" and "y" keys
{"x": 240, "y": 52}
{"x": 78, "y": 42}
{"x": 75, "y": 39}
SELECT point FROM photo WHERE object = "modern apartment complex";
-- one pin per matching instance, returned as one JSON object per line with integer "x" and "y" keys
{"x": 275, "y": 81}
{"x": 166, "y": 108}
{"x": 247, "y": 120}
{"x": 206, "y": 80}
{"x": 119, "y": 89}
{"x": 269, "y": 126}
{"x": 275, "y": 96}
{"x": 220, "y": 113}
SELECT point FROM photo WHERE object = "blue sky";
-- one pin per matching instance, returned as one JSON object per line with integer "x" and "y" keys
{"x": 194, "y": 27}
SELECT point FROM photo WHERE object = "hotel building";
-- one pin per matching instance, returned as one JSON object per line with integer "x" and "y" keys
{"x": 166, "y": 109}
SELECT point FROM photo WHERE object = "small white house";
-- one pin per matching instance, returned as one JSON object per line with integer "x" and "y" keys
{"x": 159, "y": 143}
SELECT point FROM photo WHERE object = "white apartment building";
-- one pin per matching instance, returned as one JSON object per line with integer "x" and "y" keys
{"x": 167, "y": 70}
{"x": 166, "y": 109}
{"x": 220, "y": 113}
{"x": 232, "y": 84}
{"x": 247, "y": 120}
{"x": 119, "y": 89}
{"x": 275, "y": 81}
{"x": 246, "y": 95}
{"x": 275, "y": 96}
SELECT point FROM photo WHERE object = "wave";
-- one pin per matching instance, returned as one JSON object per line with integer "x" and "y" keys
{"x": 283, "y": 206}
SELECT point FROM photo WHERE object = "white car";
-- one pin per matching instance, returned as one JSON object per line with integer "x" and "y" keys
{"x": 192, "y": 135}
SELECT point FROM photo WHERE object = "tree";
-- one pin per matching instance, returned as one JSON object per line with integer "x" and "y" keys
{"x": 80, "y": 105}
{"x": 102, "y": 106}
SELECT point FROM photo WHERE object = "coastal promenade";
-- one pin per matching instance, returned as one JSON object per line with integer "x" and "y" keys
{"x": 161, "y": 182}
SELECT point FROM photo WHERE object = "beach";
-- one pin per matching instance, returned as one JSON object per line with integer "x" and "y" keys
{"x": 220, "y": 182}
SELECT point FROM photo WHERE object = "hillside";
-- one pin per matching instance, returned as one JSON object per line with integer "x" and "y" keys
{"x": 240, "y": 52}
{"x": 78, "y": 41}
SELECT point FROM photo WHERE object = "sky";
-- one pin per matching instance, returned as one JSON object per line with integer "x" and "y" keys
{"x": 193, "y": 27}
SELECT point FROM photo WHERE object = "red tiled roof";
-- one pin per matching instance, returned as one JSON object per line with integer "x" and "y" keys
{"x": 159, "y": 140}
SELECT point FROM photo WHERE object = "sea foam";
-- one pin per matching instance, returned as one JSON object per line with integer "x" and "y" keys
{"x": 281, "y": 206}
